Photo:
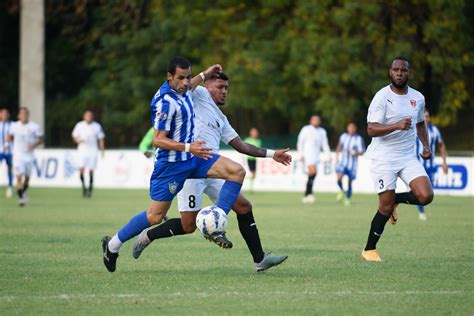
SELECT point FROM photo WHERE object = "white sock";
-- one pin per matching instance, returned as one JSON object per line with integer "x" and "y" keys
{"x": 115, "y": 244}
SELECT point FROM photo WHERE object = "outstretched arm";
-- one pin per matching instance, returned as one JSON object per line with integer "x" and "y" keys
{"x": 199, "y": 78}
{"x": 280, "y": 155}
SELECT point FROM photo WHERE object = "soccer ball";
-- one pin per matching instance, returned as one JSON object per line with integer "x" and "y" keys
{"x": 211, "y": 220}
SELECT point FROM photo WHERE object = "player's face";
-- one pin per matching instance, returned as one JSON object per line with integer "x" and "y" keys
{"x": 23, "y": 116}
{"x": 351, "y": 129}
{"x": 3, "y": 115}
{"x": 254, "y": 133}
{"x": 88, "y": 117}
{"x": 181, "y": 80}
{"x": 427, "y": 118}
{"x": 218, "y": 89}
{"x": 399, "y": 74}
{"x": 315, "y": 120}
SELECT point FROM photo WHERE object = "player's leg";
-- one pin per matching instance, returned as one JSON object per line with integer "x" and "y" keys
{"x": 91, "y": 182}
{"x": 340, "y": 194}
{"x": 81, "y": 176}
{"x": 252, "y": 163}
{"x": 347, "y": 200}
{"x": 8, "y": 159}
{"x": 421, "y": 192}
{"x": 311, "y": 170}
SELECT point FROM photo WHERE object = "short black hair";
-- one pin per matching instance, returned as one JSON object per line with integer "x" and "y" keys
{"x": 400, "y": 58}
{"x": 218, "y": 75}
{"x": 181, "y": 62}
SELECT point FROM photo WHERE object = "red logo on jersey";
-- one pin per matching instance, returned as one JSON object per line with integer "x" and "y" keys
{"x": 413, "y": 103}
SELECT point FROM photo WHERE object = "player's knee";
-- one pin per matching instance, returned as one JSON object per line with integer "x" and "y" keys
{"x": 386, "y": 209}
{"x": 188, "y": 228}
{"x": 242, "y": 207}
{"x": 154, "y": 217}
{"x": 426, "y": 197}
{"x": 237, "y": 172}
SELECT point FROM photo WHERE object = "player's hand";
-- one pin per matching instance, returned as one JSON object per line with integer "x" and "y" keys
{"x": 198, "y": 150}
{"x": 426, "y": 154}
{"x": 445, "y": 168}
{"x": 405, "y": 124}
{"x": 212, "y": 69}
{"x": 148, "y": 153}
{"x": 282, "y": 156}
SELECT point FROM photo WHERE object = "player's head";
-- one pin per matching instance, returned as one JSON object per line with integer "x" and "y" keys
{"x": 427, "y": 117}
{"x": 179, "y": 74}
{"x": 253, "y": 132}
{"x": 399, "y": 72}
{"x": 23, "y": 114}
{"x": 315, "y": 120}
{"x": 218, "y": 85}
{"x": 4, "y": 115}
{"x": 351, "y": 128}
{"x": 88, "y": 116}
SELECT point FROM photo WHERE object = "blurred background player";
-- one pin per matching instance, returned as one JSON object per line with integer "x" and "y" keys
{"x": 254, "y": 140}
{"x": 26, "y": 136}
{"x": 212, "y": 127}
{"x": 434, "y": 138}
{"x": 311, "y": 139}
{"x": 351, "y": 146}
{"x": 89, "y": 136}
{"x": 5, "y": 150}
{"x": 146, "y": 144}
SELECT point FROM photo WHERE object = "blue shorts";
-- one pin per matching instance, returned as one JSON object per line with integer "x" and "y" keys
{"x": 351, "y": 173}
{"x": 168, "y": 178}
{"x": 7, "y": 157}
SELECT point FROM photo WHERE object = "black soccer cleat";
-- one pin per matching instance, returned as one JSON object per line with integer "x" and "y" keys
{"x": 110, "y": 258}
{"x": 220, "y": 240}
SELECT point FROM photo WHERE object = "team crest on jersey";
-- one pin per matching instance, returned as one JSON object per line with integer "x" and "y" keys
{"x": 161, "y": 116}
{"x": 172, "y": 187}
{"x": 413, "y": 103}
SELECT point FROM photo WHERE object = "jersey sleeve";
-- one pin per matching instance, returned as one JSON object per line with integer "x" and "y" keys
{"x": 228, "y": 132}
{"x": 325, "y": 142}
{"x": 377, "y": 108}
{"x": 100, "y": 132}
{"x": 165, "y": 110}
{"x": 421, "y": 111}
{"x": 38, "y": 131}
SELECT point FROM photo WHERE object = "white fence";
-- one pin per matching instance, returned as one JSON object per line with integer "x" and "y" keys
{"x": 130, "y": 169}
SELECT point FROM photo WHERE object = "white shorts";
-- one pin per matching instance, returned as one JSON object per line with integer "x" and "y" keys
{"x": 311, "y": 159}
{"x": 23, "y": 165}
{"x": 87, "y": 159}
{"x": 190, "y": 196}
{"x": 385, "y": 173}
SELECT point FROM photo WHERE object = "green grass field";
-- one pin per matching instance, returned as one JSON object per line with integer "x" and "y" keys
{"x": 51, "y": 264}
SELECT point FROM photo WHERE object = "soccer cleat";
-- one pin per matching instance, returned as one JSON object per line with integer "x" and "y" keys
{"x": 220, "y": 240}
{"x": 269, "y": 261}
{"x": 340, "y": 196}
{"x": 22, "y": 201}
{"x": 9, "y": 192}
{"x": 309, "y": 199}
{"x": 394, "y": 217}
{"x": 371, "y": 255}
{"x": 422, "y": 217}
{"x": 347, "y": 202}
{"x": 110, "y": 258}
{"x": 141, "y": 243}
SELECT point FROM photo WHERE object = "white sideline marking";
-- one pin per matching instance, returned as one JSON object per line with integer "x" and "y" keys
{"x": 206, "y": 294}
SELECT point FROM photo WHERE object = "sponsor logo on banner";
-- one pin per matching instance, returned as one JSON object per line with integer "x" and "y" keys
{"x": 455, "y": 179}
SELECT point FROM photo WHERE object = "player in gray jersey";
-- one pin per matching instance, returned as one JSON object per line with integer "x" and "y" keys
{"x": 212, "y": 127}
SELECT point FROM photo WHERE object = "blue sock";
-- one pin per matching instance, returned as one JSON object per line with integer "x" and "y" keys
{"x": 421, "y": 208}
{"x": 136, "y": 225}
{"x": 10, "y": 178}
{"x": 339, "y": 183}
{"x": 229, "y": 193}
{"x": 349, "y": 192}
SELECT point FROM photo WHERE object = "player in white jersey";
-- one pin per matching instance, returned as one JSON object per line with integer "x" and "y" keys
{"x": 212, "y": 127}
{"x": 311, "y": 140}
{"x": 435, "y": 139}
{"x": 26, "y": 136}
{"x": 89, "y": 136}
{"x": 394, "y": 119}
{"x": 5, "y": 149}
{"x": 351, "y": 146}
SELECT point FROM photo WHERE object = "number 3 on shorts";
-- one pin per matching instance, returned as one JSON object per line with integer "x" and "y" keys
{"x": 381, "y": 185}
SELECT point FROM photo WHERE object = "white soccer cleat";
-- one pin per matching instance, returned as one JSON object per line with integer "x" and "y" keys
{"x": 422, "y": 217}
{"x": 9, "y": 193}
{"x": 309, "y": 199}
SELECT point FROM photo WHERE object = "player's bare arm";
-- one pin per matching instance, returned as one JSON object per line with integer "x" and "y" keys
{"x": 206, "y": 74}
{"x": 377, "y": 129}
{"x": 280, "y": 155}
{"x": 102, "y": 146}
{"x": 442, "y": 150}
{"x": 160, "y": 140}
{"x": 422, "y": 133}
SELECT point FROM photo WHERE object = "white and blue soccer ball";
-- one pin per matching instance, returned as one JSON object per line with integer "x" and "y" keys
{"x": 211, "y": 220}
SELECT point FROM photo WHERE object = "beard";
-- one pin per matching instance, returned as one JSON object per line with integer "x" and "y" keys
{"x": 399, "y": 85}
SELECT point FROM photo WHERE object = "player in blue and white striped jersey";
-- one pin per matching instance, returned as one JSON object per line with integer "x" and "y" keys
{"x": 5, "y": 149}
{"x": 351, "y": 145}
{"x": 434, "y": 139}
{"x": 179, "y": 158}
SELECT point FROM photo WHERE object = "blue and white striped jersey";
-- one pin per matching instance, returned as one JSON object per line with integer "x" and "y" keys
{"x": 4, "y": 129}
{"x": 350, "y": 146}
{"x": 434, "y": 138}
{"x": 173, "y": 112}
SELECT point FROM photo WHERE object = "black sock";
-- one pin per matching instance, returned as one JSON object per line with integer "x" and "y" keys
{"x": 406, "y": 198}
{"x": 171, "y": 227}
{"x": 82, "y": 181}
{"x": 91, "y": 181}
{"x": 25, "y": 187}
{"x": 20, "y": 193}
{"x": 309, "y": 185}
{"x": 376, "y": 230}
{"x": 248, "y": 230}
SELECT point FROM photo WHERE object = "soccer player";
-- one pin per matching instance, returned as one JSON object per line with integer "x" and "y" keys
{"x": 26, "y": 136}
{"x": 212, "y": 127}
{"x": 311, "y": 139}
{"x": 89, "y": 136}
{"x": 351, "y": 146}
{"x": 178, "y": 157}
{"x": 251, "y": 161}
{"x": 5, "y": 149}
{"x": 394, "y": 118}
{"x": 435, "y": 138}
